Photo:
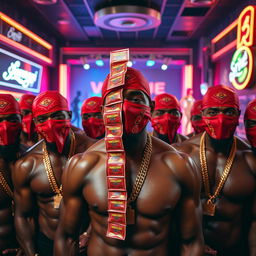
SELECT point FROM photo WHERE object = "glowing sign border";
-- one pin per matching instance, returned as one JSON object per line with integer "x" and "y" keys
{"x": 40, "y": 67}
{"x": 250, "y": 69}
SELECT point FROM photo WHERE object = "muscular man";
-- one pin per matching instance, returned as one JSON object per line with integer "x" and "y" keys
{"x": 250, "y": 124}
{"x": 169, "y": 194}
{"x": 28, "y": 135}
{"x": 37, "y": 176}
{"x": 228, "y": 172}
{"x": 166, "y": 118}
{"x": 196, "y": 118}
{"x": 10, "y": 150}
{"x": 92, "y": 119}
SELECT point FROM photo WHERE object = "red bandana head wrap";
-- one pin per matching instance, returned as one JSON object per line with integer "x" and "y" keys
{"x": 53, "y": 131}
{"x": 8, "y": 105}
{"x": 91, "y": 105}
{"x": 166, "y": 101}
{"x": 133, "y": 80}
{"x": 136, "y": 116}
{"x": 220, "y": 126}
{"x": 220, "y": 96}
{"x": 28, "y": 125}
{"x": 48, "y": 102}
{"x": 26, "y": 101}
{"x": 94, "y": 127}
{"x": 196, "y": 108}
{"x": 9, "y": 131}
{"x": 250, "y": 114}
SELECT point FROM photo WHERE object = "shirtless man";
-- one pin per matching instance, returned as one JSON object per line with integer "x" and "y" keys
{"x": 37, "y": 176}
{"x": 229, "y": 221}
{"x": 92, "y": 119}
{"x": 169, "y": 194}
{"x": 28, "y": 135}
{"x": 166, "y": 119}
{"x": 10, "y": 150}
{"x": 196, "y": 118}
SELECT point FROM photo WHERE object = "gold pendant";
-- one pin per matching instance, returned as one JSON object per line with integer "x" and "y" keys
{"x": 56, "y": 201}
{"x": 130, "y": 215}
{"x": 209, "y": 208}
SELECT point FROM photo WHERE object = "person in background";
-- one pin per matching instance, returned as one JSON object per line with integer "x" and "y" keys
{"x": 92, "y": 119}
{"x": 228, "y": 170}
{"x": 10, "y": 151}
{"x": 166, "y": 119}
{"x": 196, "y": 118}
{"x": 37, "y": 176}
{"x": 28, "y": 135}
{"x": 250, "y": 124}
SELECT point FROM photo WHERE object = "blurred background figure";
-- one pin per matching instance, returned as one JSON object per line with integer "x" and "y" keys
{"x": 166, "y": 119}
{"x": 250, "y": 123}
{"x": 186, "y": 105}
{"x": 92, "y": 119}
{"x": 196, "y": 118}
{"x": 28, "y": 135}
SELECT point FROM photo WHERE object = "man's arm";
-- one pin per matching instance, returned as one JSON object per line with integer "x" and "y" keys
{"x": 73, "y": 208}
{"x": 252, "y": 232}
{"x": 24, "y": 205}
{"x": 189, "y": 211}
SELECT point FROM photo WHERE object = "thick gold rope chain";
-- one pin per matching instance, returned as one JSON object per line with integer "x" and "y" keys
{"x": 48, "y": 167}
{"x": 141, "y": 176}
{"x": 204, "y": 169}
{"x": 5, "y": 185}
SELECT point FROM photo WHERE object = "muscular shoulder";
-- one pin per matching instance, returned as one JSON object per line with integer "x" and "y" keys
{"x": 24, "y": 166}
{"x": 188, "y": 146}
{"x": 83, "y": 142}
{"x": 181, "y": 138}
{"x": 77, "y": 169}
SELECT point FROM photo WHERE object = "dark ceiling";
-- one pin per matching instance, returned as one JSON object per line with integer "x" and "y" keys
{"x": 182, "y": 21}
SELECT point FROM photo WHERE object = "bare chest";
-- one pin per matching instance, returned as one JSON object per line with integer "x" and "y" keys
{"x": 159, "y": 194}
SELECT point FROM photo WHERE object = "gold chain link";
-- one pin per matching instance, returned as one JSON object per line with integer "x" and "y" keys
{"x": 141, "y": 176}
{"x": 5, "y": 185}
{"x": 48, "y": 167}
{"x": 204, "y": 169}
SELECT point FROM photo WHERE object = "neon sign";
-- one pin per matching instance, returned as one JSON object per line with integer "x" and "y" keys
{"x": 19, "y": 73}
{"x": 242, "y": 63}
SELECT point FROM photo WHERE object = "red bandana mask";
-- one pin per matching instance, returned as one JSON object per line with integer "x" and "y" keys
{"x": 198, "y": 126}
{"x": 136, "y": 117}
{"x": 221, "y": 126}
{"x": 166, "y": 124}
{"x": 9, "y": 132}
{"x": 55, "y": 131}
{"x": 94, "y": 127}
{"x": 28, "y": 125}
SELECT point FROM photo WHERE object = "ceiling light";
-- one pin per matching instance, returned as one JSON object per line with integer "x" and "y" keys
{"x": 45, "y": 2}
{"x": 164, "y": 67}
{"x": 129, "y": 63}
{"x": 86, "y": 66}
{"x": 99, "y": 62}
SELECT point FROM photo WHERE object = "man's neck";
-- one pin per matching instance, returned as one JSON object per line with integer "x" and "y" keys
{"x": 165, "y": 137}
{"x": 219, "y": 146}
{"x": 52, "y": 147}
{"x": 9, "y": 152}
{"x": 134, "y": 144}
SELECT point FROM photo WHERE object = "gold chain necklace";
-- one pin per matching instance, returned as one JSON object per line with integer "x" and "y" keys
{"x": 140, "y": 179}
{"x": 49, "y": 170}
{"x": 5, "y": 185}
{"x": 209, "y": 206}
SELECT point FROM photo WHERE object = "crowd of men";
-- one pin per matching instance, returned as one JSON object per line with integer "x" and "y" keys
{"x": 186, "y": 195}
